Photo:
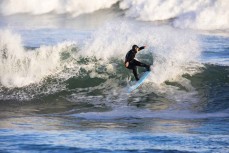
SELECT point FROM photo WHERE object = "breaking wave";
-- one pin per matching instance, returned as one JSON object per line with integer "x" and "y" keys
{"x": 92, "y": 71}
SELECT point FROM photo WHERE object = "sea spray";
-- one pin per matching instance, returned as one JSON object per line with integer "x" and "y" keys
{"x": 172, "y": 50}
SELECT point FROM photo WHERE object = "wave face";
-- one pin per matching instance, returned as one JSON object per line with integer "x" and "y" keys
{"x": 201, "y": 14}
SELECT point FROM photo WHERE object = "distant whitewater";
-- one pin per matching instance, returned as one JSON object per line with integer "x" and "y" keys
{"x": 203, "y": 14}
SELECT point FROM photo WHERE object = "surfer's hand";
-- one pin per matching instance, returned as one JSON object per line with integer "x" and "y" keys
{"x": 145, "y": 46}
{"x": 127, "y": 64}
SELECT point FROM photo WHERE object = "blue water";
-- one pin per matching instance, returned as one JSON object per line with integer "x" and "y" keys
{"x": 78, "y": 104}
{"x": 66, "y": 134}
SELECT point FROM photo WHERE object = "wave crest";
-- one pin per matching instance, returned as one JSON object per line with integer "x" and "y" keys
{"x": 20, "y": 67}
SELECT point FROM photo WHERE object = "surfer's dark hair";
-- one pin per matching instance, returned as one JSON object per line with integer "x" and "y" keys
{"x": 134, "y": 46}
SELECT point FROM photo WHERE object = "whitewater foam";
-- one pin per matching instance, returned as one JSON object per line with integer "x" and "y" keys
{"x": 20, "y": 67}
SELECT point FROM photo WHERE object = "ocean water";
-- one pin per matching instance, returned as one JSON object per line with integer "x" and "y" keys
{"x": 63, "y": 83}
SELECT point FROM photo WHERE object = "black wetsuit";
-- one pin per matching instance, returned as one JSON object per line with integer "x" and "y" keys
{"x": 133, "y": 63}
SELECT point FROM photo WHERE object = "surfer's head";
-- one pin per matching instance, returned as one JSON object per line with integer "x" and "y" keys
{"x": 135, "y": 48}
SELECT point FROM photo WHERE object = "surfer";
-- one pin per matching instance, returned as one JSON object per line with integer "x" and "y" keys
{"x": 132, "y": 63}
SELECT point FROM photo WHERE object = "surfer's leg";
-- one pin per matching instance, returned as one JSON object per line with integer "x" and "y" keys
{"x": 137, "y": 63}
{"x": 133, "y": 67}
{"x": 135, "y": 73}
{"x": 147, "y": 67}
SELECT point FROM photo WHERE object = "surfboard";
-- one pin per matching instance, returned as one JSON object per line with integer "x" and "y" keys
{"x": 139, "y": 82}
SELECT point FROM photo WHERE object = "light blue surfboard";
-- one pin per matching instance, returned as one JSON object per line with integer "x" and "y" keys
{"x": 139, "y": 82}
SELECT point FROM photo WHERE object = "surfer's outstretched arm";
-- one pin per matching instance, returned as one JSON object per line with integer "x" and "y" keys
{"x": 141, "y": 48}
